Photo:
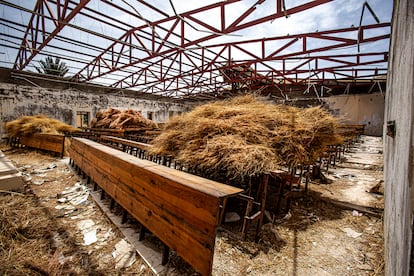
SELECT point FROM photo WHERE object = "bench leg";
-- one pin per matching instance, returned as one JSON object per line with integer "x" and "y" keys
{"x": 124, "y": 216}
{"x": 102, "y": 194}
{"x": 95, "y": 186}
{"x": 246, "y": 221}
{"x": 142, "y": 232}
{"x": 165, "y": 255}
{"x": 280, "y": 195}
{"x": 289, "y": 198}
{"x": 112, "y": 205}
{"x": 222, "y": 211}
{"x": 307, "y": 178}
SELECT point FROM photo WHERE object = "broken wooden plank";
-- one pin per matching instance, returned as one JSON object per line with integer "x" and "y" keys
{"x": 377, "y": 212}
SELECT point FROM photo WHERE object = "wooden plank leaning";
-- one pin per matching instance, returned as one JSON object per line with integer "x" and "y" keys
{"x": 181, "y": 209}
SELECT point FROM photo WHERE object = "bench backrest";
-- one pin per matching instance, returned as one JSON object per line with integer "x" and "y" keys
{"x": 49, "y": 142}
{"x": 126, "y": 142}
{"x": 179, "y": 208}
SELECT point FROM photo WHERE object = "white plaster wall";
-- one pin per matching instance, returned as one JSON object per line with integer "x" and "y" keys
{"x": 366, "y": 109}
{"x": 18, "y": 100}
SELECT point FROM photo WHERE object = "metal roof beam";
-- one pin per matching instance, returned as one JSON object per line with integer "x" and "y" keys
{"x": 157, "y": 49}
{"x": 37, "y": 29}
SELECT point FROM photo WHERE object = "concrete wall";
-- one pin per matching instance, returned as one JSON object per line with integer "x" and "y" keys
{"x": 63, "y": 104}
{"x": 367, "y": 109}
{"x": 399, "y": 150}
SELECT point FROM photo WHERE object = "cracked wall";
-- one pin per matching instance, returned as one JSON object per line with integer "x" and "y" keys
{"x": 64, "y": 104}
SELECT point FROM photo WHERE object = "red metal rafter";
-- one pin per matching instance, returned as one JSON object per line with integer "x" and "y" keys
{"x": 299, "y": 45}
{"x": 31, "y": 47}
{"x": 267, "y": 77}
{"x": 217, "y": 87}
{"x": 158, "y": 45}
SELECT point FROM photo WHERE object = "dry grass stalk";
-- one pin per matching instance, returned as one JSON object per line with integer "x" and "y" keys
{"x": 26, "y": 125}
{"x": 117, "y": 119}
{"x": 245, "y": 136}
{"x": 25, "y": 237}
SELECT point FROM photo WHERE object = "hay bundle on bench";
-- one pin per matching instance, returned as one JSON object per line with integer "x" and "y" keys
{"x": 26, "y": 125}
{"x": 245, "y": 136}
{"x": 117, "y": 119}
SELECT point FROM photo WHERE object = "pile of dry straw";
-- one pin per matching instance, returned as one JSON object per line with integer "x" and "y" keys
{"x": 117, "y": 119}
{"x": 245, "y": 136}
{"x": 26, "y": 125}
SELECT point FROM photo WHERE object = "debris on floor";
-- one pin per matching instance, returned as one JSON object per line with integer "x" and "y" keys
{"x": 353, "y": 179}
{"x": 55, "y": 228}
{"x": 351, "y": 233}
{"x": 124, "y": 254}
{"x": 316, "y": 237}
{"x": 75, "y": 195}
{"x": 88, "y": 229}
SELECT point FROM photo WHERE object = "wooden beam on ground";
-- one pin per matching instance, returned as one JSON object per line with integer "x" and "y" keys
{"x": 376, "y": 212}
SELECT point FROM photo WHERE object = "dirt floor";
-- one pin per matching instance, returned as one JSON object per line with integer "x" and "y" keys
{"x": 55, "y": 228}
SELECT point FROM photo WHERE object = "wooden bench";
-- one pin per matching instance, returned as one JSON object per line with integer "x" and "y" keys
{"x": 123, "y": 143}
{"x": 125, "y": 132}
{"x": 48, "y": 142}
{"x": 140, "y": 150}
{"x": 254, "y": 207}
{"x": 135, "y": 148}
{"x": 137, "y": 134}
{"x": 357, "y": 127}
{"x": 86, "y": 134}
{"x": 181, "y": 209}
{"x": 351, "y": 131}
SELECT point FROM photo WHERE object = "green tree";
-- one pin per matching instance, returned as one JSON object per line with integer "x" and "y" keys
{"x": 50, "y": 67}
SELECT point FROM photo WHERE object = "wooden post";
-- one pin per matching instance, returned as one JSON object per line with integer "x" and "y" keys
{"x": 399, "y": 144}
